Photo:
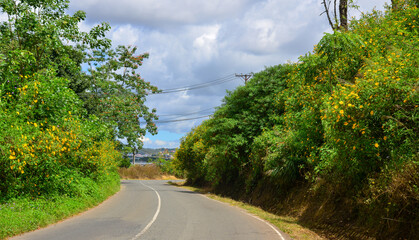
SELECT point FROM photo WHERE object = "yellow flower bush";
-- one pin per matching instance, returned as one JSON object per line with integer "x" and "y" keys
{"x": 45, "y": 144}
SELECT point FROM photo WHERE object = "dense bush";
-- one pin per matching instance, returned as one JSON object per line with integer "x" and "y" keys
{"x": 345, "y": 114}
{"x": 55, "y": 138}
{"x": 46, "y": 148}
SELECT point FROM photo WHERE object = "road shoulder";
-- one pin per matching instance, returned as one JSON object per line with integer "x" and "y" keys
{"x": 288, "y": 226}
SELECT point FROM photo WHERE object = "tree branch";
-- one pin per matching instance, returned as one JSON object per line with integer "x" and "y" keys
{"x": 328, "y": 14}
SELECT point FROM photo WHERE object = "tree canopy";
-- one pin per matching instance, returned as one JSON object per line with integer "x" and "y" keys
{"x": 66, "y": 98}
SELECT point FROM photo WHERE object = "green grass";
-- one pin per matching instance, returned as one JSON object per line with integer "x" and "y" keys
{"x": 23, "y": 214}
{"x": 287, "y": 224}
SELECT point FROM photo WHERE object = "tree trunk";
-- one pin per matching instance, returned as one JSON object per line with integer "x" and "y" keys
{"x": 342, "y": 22}
{"x": 343, "y": 14}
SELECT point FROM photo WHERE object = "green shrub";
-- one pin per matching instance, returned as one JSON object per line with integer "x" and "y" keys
{"x": 124, "y": 163}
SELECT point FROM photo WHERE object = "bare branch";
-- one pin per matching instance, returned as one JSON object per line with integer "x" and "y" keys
{"x": 335, "y": 13}
{"x": 328, "y": 14}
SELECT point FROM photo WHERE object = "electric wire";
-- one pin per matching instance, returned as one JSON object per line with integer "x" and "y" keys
{"x": 185, "y": 114}
{"x": 180, "y": 120}
{"x": 205, "y": 83}
{"x": 218, "y": 81}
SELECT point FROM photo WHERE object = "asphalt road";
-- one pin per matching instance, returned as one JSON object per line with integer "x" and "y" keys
{"x": 156, "y": 210}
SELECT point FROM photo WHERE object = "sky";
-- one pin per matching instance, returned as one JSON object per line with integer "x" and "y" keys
{"x": 195, "y": 42}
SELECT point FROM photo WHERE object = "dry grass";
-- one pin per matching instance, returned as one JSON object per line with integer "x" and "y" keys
{"x": 287, "y": 224}
{"x": 144, "y": 172}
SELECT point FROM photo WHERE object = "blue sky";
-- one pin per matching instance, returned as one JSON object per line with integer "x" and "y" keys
{"x": 194, "y": 42}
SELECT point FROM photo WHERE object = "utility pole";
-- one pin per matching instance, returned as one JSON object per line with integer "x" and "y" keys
{"x": 245, "y": 77}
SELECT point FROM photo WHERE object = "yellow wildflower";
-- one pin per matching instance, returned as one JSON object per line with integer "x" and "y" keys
{"x": 376, "y": 145}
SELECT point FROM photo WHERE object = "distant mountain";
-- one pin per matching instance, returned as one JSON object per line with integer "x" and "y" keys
{"x": 155, "y": 151}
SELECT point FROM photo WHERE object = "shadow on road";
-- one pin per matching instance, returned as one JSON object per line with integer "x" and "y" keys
{"x": 185, "y": 191}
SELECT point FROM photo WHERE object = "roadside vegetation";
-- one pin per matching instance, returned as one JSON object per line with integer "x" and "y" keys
{"x": 26, "y": 214}
{"x": 145, "y": 172}
{"x": 66, "y": 96}
{"x": 333, "y": 137}
{"x": 157, "y": 169}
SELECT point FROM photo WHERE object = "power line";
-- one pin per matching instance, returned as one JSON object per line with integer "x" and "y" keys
{"x": 194, "y": 85}
{"x": 180, "y": 120}
{"x": 198, "y": 86}
{"x": 193, "y": 88}
{"x": 185, "y": 114}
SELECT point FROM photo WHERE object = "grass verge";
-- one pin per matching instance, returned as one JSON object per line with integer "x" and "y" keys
{"x": 287, "y": 224}
{"x": 22, "y": 215}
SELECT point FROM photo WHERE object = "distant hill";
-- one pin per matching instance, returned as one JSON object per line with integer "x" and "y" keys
{"x": 155, "y": 151}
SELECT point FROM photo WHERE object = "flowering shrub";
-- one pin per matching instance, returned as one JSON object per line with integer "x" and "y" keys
{"x": 372, "y": 123}
{"x": 45, "y": 146}
{"x": 58, "y": 123}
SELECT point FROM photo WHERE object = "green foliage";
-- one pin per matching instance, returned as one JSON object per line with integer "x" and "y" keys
{"x": 167, "y": 166}
{"x": 363, "y": 132}
{"x": 345, "y": 115}
{"x": 26, "y": 214}
{"x": 117, "y": 93}
{"x": 124, "y": 163}
{"x": 36, "y": 37}
{"x": 217, "y": 150}
{"x": 59, "y": 124}
{"x": 190, "y": 156}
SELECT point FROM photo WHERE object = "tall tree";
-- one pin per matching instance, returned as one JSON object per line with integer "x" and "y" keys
{"x": 40, "y": 35}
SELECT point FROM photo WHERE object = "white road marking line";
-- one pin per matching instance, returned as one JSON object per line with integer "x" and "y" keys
{"x": 267, "y": 223}
{"x": 245, "y": 212}
{"x": 154, "y": 217}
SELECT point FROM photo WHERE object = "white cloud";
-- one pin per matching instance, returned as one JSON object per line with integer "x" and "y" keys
{"x": 161, "y": 13}
{"x": 125, "y": 35}
{"x": 161, "y": 144}
{"x": 205, "y": 46}
{"x": 192, "y": 42}
{"x": 145, "y": 140}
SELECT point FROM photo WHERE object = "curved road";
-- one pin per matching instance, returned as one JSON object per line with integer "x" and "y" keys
{"x": 156, "y": 210}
